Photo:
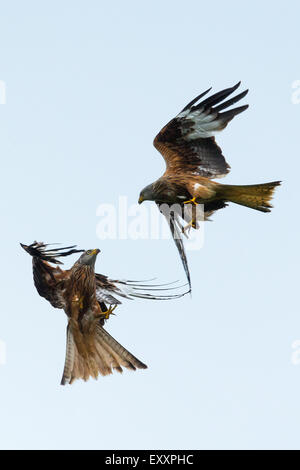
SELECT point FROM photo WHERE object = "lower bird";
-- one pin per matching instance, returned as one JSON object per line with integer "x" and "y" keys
{"x": 88, "y": 300}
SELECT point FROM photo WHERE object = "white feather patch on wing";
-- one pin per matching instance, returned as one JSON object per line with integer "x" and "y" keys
{"x": 197, "y": 186}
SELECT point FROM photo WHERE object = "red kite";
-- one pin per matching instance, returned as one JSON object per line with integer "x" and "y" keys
{"x": 88, "y": 299}
{"x": 193, "y": 159}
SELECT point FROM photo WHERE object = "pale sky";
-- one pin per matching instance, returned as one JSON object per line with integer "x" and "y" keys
{"x": 88, "y": 85}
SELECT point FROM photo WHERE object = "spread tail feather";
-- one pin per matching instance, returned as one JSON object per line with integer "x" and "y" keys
{"x": 255, "y": 196}
{"x": 41, "y": 251}
{"x": 101, "y": 355}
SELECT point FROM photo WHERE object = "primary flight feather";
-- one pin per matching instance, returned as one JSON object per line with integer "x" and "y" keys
{"x": 193, "y": 159}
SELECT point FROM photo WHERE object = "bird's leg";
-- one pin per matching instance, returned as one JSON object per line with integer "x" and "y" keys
{"x": 109, "y": 311}
{"x": 192, "y": 224}
{"x": 193, "y": 201}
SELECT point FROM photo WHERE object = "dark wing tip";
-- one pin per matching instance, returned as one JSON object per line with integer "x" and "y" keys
{"x": 63, "y": 381}
{"x": 229, "y": 115}
{"x": 236, "y": 85}
{"x": 230, "y": 102}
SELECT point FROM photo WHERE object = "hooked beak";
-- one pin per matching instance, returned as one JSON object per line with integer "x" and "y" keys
{"x": 96, "y": 251}
{"x": 141, "y": 199}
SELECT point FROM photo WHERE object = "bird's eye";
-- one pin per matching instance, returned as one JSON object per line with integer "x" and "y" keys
{"x": 89, "y": 252}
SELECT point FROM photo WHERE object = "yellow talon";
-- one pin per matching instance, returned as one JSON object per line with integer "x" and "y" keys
{"x": 109, "y": 312}
{"x": 193, "y": 201}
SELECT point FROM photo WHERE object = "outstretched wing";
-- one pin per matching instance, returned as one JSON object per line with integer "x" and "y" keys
{"x": 49, "y": 280}
{"x": 109, "y": 291}
{"x": 187, "y": 142}
{"x": 176, "y": 217}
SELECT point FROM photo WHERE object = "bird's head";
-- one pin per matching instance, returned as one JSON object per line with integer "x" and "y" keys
{"x": 88, "y": 258}
{"x": 147, "y": 194}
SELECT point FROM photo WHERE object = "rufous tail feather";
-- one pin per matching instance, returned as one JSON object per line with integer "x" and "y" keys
{"x": 255, "y": 196}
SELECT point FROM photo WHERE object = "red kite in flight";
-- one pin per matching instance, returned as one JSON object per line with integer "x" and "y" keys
{"x": 193, "y": 159}
{"x": 88, "y": 299}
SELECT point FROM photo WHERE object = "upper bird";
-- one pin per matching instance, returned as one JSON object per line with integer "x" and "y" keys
{"x": 193, "y": 159}
{"x": 88, "y": 299}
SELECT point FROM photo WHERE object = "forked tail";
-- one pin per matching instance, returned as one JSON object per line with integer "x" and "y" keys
{"x": 95, "y": 354}
{"x": 256, "y": 196}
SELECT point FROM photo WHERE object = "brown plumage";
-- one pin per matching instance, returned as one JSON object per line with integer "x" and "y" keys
{"x": 88, "y": 299}
{"x": 193, "y": 158}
